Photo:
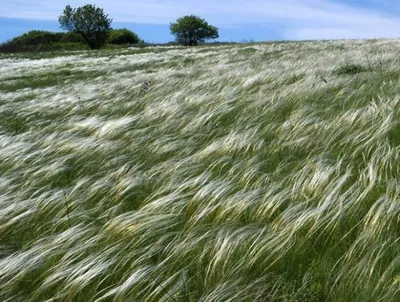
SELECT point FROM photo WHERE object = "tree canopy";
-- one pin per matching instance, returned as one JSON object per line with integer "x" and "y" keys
{"x": 190, "y": 30}
{"x": 89, "y": 21}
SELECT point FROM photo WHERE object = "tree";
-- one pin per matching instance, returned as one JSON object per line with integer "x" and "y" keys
{"x": 122, "y": 36}
{"x": 89, "y": 21}
{"x": 190, "y": 30}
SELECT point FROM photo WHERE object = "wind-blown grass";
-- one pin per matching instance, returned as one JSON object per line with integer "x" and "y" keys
{"x": 241, "y": 174}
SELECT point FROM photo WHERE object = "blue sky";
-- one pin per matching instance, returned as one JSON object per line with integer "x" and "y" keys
{"x": 258, "y": 20}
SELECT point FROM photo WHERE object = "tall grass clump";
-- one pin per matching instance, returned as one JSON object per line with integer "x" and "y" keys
{"x": 221, "y": 181}
{"x": 350, "y": 68}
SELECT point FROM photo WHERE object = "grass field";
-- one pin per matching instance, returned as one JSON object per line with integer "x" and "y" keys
{"x": 262, "y": 172}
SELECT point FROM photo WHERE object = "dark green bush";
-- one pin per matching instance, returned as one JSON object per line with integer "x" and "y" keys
{"x": 37, "y": 40}
{"x": 8, "y": 47}
{"x": 122, "y": 36}
{"x": 61, "y": 46}
{"x": 72, "y": 37}
{"x": 36, "y": 37}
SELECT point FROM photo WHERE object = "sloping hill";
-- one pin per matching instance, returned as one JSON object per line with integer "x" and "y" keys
{"x": 262, "y": 172}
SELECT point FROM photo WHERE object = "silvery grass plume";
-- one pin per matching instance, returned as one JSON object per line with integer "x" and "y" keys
{"x": 246, "y": 173}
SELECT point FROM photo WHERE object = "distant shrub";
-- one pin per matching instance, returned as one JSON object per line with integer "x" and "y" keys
{"x": 349, "y": 68}
{"x": 37, "y": 40}
{"x": 122, "y": 36}
{"x": 72, "y": 37}
{"x": 8, "y": 47}
{"x": 61, "y": 46}
{"x": 36, "y": 37}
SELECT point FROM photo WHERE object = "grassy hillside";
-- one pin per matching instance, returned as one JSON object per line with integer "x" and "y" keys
{"x": 243, "y": 173}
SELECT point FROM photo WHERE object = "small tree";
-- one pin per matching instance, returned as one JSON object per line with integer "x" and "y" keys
{"x": 190, "y": 30}
{"x": 89, "y": 21}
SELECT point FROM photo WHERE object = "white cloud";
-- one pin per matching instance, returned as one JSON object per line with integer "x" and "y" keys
{"x": 294, "y": 19}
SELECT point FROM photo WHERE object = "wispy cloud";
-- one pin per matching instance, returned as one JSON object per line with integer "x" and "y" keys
{"x": 294, "y": 19}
